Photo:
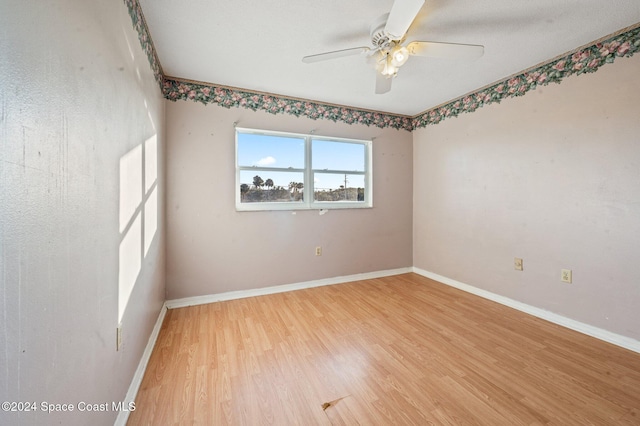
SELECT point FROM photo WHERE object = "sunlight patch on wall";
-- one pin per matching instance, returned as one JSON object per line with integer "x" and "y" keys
{"x": 130, "y": 263}
{"x": 151, "y": 194}
{"x": 130, "y": 185}
{"x": 150, "y": 162}
{"x": 151, "y": 219}
{"x": 138, "y": 215}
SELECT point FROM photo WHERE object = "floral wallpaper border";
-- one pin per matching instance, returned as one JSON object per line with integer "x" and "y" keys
{"x": 140, "y": 25}
{"x": 229, "y": 97}
{"x": 584, "y": 60}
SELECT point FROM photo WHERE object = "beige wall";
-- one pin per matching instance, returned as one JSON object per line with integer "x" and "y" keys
{"x": 552, "y": 177}
{"x": 212, "y": 248}
{"x": 79, "y": 108}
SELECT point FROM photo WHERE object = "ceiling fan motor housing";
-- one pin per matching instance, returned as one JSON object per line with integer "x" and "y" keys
{"x": 379, "y": 37}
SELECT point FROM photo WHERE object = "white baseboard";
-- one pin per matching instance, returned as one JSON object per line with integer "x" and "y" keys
{"x": 231, "y": 295}
{"x": 123, "y": 416}
{"x": 598, "y": 333}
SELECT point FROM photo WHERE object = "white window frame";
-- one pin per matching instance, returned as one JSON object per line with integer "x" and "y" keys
{"x": 308, "y": 190}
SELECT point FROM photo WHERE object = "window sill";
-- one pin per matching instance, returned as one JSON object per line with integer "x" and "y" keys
{"x": 258, "y": 207}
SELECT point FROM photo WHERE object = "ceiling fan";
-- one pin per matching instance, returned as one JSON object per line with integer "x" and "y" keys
{"x": 388, "y": 33}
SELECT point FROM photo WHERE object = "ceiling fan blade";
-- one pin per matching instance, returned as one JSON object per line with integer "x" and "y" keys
{"x": 383, "y": 84}
{"x": 434, "y": 49}
{"x": 402, "y": 14}
{"x": 335, "y": 54}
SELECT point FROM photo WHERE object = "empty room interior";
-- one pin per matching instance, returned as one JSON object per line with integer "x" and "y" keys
{"x": 365, "y": 212}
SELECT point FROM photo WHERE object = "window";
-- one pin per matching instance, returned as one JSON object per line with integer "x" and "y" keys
{"x": 288, "y": 171}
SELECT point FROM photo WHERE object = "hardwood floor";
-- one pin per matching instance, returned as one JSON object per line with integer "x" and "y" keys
{"x": 395, "y": 350}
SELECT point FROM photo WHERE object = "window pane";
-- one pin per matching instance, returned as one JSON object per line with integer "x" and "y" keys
{"x": 332, "y": 155}
{"x": 270, "y": 151}
{"x": 273, "y": 167}
{"x": 270, "y": 187}
{"x": 338, "y": 187}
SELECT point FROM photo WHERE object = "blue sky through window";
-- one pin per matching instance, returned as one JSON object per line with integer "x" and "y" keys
{"x": 270, "y": 151}
{"x": 282, "y": 152}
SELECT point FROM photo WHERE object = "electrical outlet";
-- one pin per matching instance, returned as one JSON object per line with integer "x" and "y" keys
{"x": 517, "y": 264}
{"x": 118, "y": 338}
{"x": 565, "y": 275}
{"x": 318, "y": 251}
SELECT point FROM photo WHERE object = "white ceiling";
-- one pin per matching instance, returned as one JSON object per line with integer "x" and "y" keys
{"x": 258, "y": 44}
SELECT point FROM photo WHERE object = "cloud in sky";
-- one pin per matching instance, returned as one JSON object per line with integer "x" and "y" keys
{"x": 266, "y": 161}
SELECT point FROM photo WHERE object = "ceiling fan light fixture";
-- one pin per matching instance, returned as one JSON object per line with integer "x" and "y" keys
{"x": 399, "y": 56}
{"x": 388, "y": 68}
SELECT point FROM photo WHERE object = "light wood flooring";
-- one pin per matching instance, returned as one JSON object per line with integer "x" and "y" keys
{"x": 395, "y": 350}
